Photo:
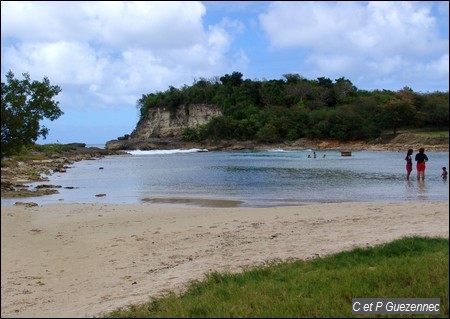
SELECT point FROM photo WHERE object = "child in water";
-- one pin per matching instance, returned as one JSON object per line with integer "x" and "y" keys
{"x": 444, "y": 173}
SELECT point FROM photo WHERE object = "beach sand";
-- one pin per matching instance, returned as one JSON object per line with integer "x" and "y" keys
{"x": 80, "y": 260}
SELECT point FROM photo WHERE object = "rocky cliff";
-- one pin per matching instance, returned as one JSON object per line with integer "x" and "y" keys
{"x": 163, "y": 123}
{"x": 161, "y": 128}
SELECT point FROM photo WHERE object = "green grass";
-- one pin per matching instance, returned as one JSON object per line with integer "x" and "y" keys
{"x": 29, "y": 157}
{"x": 425, "y": 133}
{"x": 412, "y": 267}
{"x": 37, "y": 152}
{"x": 433, "y": 134}
{"x": 52, "y": 148}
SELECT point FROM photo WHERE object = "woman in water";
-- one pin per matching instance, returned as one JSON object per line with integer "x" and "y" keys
{"x": 409, "y": 166}
{"x": 421, "y": 159}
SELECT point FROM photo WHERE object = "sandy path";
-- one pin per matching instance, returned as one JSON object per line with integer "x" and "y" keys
{"x": 79, "y": 260}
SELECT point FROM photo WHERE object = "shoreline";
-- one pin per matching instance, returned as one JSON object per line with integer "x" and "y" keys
{"x": 80, "y": 260}
{"x": 389, "y": 142}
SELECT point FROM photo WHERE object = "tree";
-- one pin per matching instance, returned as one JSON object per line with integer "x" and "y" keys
{"x": 400, "y": 110}
{"x": 343, "y": 88}
{"x": 24, "y": 104}
{"x": 434, "y": 109}
{"x": 235, "y": 79}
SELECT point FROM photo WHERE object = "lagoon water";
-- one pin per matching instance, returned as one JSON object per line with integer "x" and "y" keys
{"x": 257, "y": 178}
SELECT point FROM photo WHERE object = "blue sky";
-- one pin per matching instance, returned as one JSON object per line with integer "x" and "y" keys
{"x": 106, "y": 55}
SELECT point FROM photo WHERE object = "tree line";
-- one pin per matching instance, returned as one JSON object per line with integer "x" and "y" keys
{"x": 295, "y": 107}
{"x": 268, "y": 111}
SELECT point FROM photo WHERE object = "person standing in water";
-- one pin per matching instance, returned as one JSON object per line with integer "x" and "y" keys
{"x": 421, "y": 159}
{"x": 409, "y": 165}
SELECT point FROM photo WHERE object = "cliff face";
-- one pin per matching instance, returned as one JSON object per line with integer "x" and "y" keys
{"x": 161, "y": 123}
{"x": 162, "y": 129}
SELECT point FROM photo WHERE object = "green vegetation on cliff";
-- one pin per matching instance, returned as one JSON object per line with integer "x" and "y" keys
{"x": 295, "y": 107}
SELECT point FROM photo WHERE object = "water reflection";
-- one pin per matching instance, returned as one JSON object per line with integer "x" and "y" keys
{"x": 409, "y": 186}
{"x": 422, "y": 189}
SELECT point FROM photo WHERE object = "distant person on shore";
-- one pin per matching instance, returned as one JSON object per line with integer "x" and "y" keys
{"x": 444, "y": 173}
{"x": 409, "y": 165}
{"x": 421, "y": 159}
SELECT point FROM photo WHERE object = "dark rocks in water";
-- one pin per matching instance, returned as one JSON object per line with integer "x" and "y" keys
{"x": 82, "y": 145}
{"x": 24, "y": 192}
{"x": 144, "y": 144}
{"x": 26, "y": 204}
{"x": 48, "y": 186}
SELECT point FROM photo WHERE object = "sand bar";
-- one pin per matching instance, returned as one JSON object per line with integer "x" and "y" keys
{"x": 79, "y": 260}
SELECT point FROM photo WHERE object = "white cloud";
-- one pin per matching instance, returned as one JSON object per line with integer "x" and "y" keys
{"x": 63, "y": 62}
{"x": 116, "y": 50}
{"x": 42, "y": 21}
{"x": 383, "y": 38}
{"x": 318, "y": 25}
{"x": 141, "y": 24}
{"x": 379, "y": 26}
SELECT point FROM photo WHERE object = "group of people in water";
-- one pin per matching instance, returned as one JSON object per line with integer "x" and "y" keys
{"x": 309, "y": 155}
{"x": 421, "y": 158}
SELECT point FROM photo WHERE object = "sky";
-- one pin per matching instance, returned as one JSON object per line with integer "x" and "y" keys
{"x": 105, "y": 55}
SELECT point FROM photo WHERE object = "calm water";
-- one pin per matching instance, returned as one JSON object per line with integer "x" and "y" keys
{"x": 258, "y": 178}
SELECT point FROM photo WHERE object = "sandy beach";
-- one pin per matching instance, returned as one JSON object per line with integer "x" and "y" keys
{"x": 80, "y": 260}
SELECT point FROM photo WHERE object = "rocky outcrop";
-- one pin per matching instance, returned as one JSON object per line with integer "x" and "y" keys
{"x": 162, "y": 128}
{"x": 162, "y": 123}
{"x": 151, "y": 143}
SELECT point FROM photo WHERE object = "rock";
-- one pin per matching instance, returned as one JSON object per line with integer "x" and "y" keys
{"x": 48, "y": 186}
{"x": 76, "y": 144}
{"x": 160, "y": 122}
{"x": 29, "y": 204}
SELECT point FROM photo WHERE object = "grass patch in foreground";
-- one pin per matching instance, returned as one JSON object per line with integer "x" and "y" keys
{"x": 413, "y": 267}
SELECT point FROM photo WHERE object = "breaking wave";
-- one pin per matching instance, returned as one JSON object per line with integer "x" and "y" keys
{"x": 165, "y": 152}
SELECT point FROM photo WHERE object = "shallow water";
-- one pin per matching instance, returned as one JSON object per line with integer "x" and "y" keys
{"x": 250, "y": 178}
